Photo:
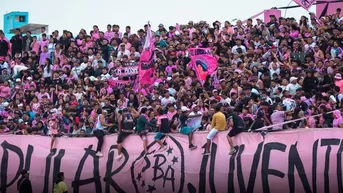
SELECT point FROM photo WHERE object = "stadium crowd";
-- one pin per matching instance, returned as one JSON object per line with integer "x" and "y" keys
{"x": 268, "y": 73}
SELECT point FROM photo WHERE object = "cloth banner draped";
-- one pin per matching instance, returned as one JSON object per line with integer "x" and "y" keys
{"x": 306, "y": 4}
{"x": 203, "y": 63}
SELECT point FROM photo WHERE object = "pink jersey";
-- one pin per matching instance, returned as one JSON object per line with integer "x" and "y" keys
{"x": 53, "y": 127}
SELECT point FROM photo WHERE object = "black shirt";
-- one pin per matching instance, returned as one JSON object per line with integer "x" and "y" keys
{"x": 183, "y": 120}
{"x": 238, "y": 123}
{"x": 24, "y": 185}
{"x": 127, "y": 121}
{"x": 165, "y": 126}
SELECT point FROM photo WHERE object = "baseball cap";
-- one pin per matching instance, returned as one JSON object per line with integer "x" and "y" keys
{"x": 184, "y": 109}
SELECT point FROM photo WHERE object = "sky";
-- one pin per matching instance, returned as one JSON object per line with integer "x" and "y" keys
{"x": 74, "y": 15}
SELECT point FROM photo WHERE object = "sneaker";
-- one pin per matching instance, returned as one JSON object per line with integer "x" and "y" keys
{"x": 191, "y": 147}
{"x": 163, "y": 148}
{"x": 206, "y": 153}
{"x": 119, "y": 156}
{"x": 232, "y": 151}
{"x": 99, "y": 154}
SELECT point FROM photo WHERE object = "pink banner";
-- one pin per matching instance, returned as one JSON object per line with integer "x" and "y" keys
{"x": 306, "y": 4}
{"x": 203, "y": 63}
{"x": 296, "y": 161}
{"x": 146, "y": 61}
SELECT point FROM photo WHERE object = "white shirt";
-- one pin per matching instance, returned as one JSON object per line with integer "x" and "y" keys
{"x": 172, "y": 91}
{"x": 47, "y": 74}
{"x": 198, "y": 124}
{"x": 105, "y": 76}
{"x": 122, "y": 53}
{"x": 234, "y": 49}
{"x": 78, "y": 95}
{"x": 165, "y": 101}
{"x": 226, "y": 101}
{"x": 77, "y": 70}
{"x": 292, "y": 88}
{"x": 309, "y": 46}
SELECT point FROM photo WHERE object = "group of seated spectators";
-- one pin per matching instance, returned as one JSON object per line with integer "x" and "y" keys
{"x": 268, "y": 73}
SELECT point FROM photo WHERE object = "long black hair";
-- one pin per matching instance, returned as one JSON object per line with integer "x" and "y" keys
{"x": 48, "y": 65}
{"x": 59, "y": 177}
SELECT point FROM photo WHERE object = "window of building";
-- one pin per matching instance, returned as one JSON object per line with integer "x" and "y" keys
{"x": 20, "y": 18}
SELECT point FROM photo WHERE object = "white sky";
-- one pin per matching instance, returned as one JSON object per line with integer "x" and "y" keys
{"x": 73, "y": 15}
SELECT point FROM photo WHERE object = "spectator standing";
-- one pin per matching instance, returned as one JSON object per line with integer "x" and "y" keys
{"x": 141, "y": 127}
{"x": 60, "y": 186}
{"x": 24, "y": 183}
{"x": 218, "y": 124}
{"x": 17, "y": 42}
{"x": 99, "y": 130}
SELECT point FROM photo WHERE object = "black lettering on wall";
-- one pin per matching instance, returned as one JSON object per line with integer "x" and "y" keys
{"x": 57, "y": 166}
{"x": 47, "y": 170}
{"x": 265, "y": 164}
{"x": 157, "y": 167}
{"x": 202, "y": 173}
{"x": 132, "y": 168}
{"x": 28, "y": 157}
{"x": 314, "y": 166}
{"x": 96, "y": 175}
{"x": 230, "y": 182}
{"x": 212, "y": 167}
{"x": 339, "y": 168}
{"x": 109, "y": 174}
{"x": 328, "y": 142}
{"x": 203, "y": 170}
{"x": 253, "y": 171}
{"x": 191, "y": 188}
{"x": 4, "y": 164}
{"x": 182, "y": 169}
{"x": 294, "y": 161}
{"x": 170, "y": 178}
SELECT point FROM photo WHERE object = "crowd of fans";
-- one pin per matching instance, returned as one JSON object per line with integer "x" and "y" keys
{"x": 268, "y": 73}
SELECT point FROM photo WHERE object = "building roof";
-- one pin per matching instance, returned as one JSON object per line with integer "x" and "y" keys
{"x": 34, "y": 28}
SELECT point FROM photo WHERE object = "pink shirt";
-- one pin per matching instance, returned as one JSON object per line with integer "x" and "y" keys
{"x": 294, "y": 34}
{"x": 277, "y": 117}
{"x": 35, "y": 107}
{"x": 53, "y": 127}
{"x": 95, "y": 35}
{"x": 79, "y": 42}
{"x": 169, "y": 68}
{"x": 28, "y": 85}
{"x": 40, "y": 96}
{"x": 35, "y": 47}
{"x": 339, "y": 83}
{"x": 171, "y": 115}
{"x": 109, "y": 35}
{"x": 43, "y": 43}
{"x": 5, "y": 91}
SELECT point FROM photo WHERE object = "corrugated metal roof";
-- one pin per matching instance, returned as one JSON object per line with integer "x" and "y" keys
{"x": 34, "y": 28}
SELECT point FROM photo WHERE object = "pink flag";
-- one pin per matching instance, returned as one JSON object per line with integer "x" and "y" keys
{"x": 146, "y": 61}
{"x": 306, "y": 4}
{"x": 203, "y": 63}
